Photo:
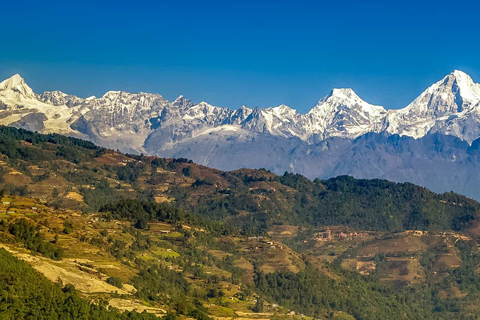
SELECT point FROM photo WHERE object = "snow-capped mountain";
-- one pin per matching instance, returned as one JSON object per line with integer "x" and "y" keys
{"x": 343, "y": 114}
{"x": 450, "y": 106}
{"x": 15, "y": 88}
{"x": 341, "y": 134}
{"x": 125, "y": 120}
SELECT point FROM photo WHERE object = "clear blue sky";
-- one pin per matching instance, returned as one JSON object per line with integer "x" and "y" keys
{"x": 231, "y": 53}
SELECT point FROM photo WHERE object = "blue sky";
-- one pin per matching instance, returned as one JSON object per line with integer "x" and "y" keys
{"x": 234, "y": 53}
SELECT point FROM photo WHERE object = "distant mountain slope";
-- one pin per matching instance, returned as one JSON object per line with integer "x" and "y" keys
{"x": 431, "y": 142}
{"x": 73, "y": 173}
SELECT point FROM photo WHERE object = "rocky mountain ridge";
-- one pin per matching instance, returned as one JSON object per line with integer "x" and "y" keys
{"x": 341, "y": 134}
{"x": 450, "y": 106}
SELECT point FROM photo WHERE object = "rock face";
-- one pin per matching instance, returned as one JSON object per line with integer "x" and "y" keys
{"x": 432, "y": 142}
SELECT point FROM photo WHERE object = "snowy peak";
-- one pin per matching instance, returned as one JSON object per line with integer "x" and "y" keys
{"x": 283, "y": 111}
{"x": 182, "y": 103}
{"x": 58, "y": 98}
{"x": 469, "y": 90}
{"x": 455, "y": 93}
{"x": 16, "y": 84}
{"x": 457, "y": 83}
{"x": 343, "y": 113}
{"x": 12, "y": 82}
{"x": 342, "y": 94}
{"x": 345, "y": 101}
{"x": 449, "y": 106}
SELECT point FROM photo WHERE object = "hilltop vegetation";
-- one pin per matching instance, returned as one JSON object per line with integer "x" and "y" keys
{"x": 74, "y": 173}
{"x": 181, "y": 240}
{"x": 378, "y": 205}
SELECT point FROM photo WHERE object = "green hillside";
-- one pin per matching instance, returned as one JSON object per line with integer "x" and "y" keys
{"x": 110, "y": 233}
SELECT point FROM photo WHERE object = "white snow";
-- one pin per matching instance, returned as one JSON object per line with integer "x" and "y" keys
{"x": 16, "y": 84}
{"x": 455, "y": 97}
{"x": 450, "y": 106}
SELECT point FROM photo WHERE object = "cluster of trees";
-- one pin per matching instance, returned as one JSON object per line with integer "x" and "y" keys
{"x": 130, "y": 172}
{"x": 467, "y": 276}
{"x": 59, "y": 147}
{"x": 115, "y": 281}
{"x": 97, "y": 197}
{"x": 379, "y": 205}
{"x": 32, "y": 239}
{"x": 143, "y": 211}
{"x": 160, "y": 284}
{"x": 314, "y": 293}
{"x": 157, "y": 283}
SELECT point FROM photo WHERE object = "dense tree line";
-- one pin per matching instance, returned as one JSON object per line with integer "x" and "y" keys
{"x": 33, "y": 240}
{"x": 58, "y": 146}
{"x": 142, "y": 212}
{"x": 36, "y": 138}
{"x": 377, "y": 204}
{"x": 361, "y": 204}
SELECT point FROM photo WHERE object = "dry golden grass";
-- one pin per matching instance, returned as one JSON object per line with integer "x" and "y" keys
{"x": 74, "y": 196}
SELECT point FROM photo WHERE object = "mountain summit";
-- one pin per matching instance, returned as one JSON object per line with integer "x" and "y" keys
{"x": 450, "y": 106}
{"x": 344, "y": 114}
{"x": 16, "y": 84}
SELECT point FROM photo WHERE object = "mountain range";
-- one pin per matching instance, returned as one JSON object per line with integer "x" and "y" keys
{"x": 434, "y": 141}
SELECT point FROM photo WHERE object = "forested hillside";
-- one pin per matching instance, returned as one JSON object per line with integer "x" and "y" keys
{"x": 114, "y": 233}
{"x": 77, "y": 174}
